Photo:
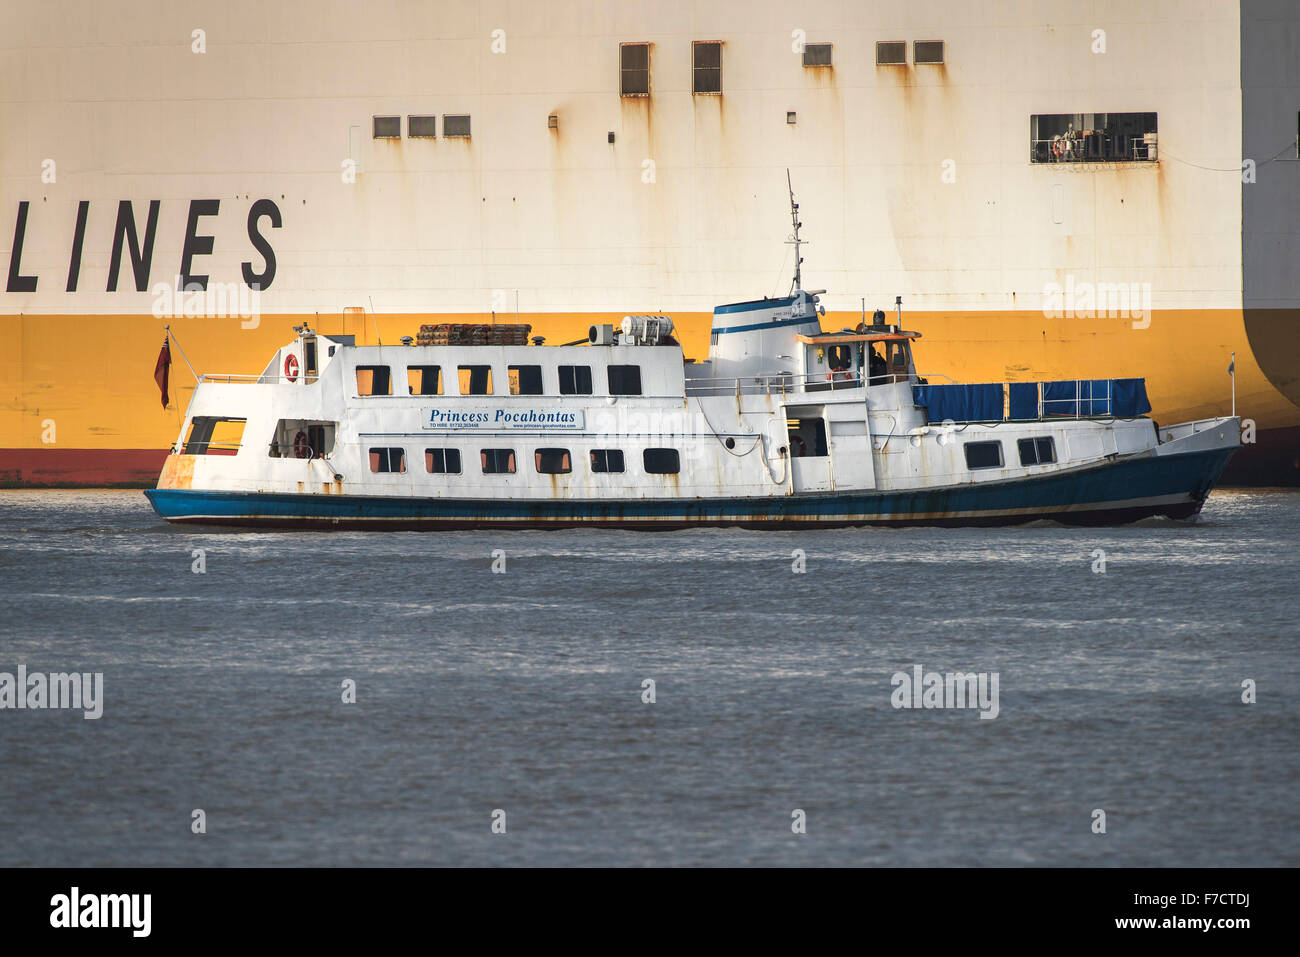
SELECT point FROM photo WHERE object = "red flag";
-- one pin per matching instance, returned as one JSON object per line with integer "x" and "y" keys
{"x": 162, "y": 368}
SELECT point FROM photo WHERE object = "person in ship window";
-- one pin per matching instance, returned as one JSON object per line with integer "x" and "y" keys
{"x": 876, "y": 366}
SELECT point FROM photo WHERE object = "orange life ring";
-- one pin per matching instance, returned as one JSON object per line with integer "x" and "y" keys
{"x": 1058, "y": 147}
{"x": 300, "y": 447}
{"x": 291, "y": 367}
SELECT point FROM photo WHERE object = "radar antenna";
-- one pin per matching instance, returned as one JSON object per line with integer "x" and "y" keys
{"x": 794, "y": 239}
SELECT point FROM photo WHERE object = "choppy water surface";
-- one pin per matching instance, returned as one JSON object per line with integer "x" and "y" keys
{"x": 523, "y": 692}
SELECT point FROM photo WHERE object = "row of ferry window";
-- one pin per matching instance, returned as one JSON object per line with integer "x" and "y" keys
{"x": 477, "y": 380}
{"x": 988, "y": 455}
{"x": 446, "y": 461}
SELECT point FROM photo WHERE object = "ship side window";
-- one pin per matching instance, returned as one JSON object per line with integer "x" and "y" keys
{"x": 983, "y": 455}
{"x": 575, "y": 380}
{"x": 553, "y": 461}
{"x": 706, "y": 60}
{"x": 607, "y": 460}
{"x": 388, "y": 127}
{"x": 213, "y": 435}
{"x": 475, "y": 380}
{"x": 624, "y": 380}
{"x": 424, "y": 380}
{"x": 634, "y": 69}
{"x": 387, "y": 460}
{"x": 891, "y": 53}
{"x": 816, "y": 54}
{"x": 927, "y": 51}
{"x": 497, "y": 461}
{"x": 525, "y": 380}
{"x": 1040, "y": 451}
{"x": 422, "y": 127}
{"x": 442, "y": 461}
{"x": 1093, "y": 138}
{"x": 455, "y": 125}
{"x": 374, "y": 380}
{"x": 661, "y": 461}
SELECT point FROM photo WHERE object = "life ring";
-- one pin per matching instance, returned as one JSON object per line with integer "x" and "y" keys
{"x": 1058, "y": 147}
{"x": 291, "y": 367}
{"x": 301, "y": 449}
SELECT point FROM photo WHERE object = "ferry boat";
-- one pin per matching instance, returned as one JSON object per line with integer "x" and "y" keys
{"x": 1058, "y": 192}
{"x": 785, "y": 424}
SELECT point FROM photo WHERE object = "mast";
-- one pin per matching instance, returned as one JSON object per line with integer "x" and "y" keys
{"x": 794, "y": 239}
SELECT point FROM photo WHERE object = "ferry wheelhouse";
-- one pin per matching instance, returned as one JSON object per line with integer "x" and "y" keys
{"x": 785, "y": 424}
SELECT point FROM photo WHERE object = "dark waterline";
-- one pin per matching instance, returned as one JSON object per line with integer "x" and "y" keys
{"x": 523, "y": 691}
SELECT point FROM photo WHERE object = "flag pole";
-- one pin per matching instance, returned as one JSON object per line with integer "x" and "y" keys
{"x": 167, "y": 330}
{"x": 1232, "y": 370}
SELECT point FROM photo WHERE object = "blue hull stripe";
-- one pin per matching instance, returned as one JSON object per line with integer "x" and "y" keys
{"x": 1120, "y": 491}
{"x": 754, "y": 305}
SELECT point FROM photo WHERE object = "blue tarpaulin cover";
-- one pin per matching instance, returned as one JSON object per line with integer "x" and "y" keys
{"x": 961, "y": 403}
{"x": 1024, "y": 400}
{"x": 1122, "y": 398}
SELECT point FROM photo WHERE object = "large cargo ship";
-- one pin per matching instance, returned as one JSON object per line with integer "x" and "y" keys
{"x": 1060, "y": 190}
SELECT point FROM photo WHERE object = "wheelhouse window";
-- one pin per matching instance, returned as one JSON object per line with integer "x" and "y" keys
{"x": 374, "y": 380}
{"x": 1092, "y": 137}
{"x": 387, "y": 460}
{"x": 213, "y": 435}
{"x": 497, "y": 461}
{"x": 525, "y": 380}
{"x": 553, "y": 461}
{"x": 634, "y": 69}
{"x": 706, "y": 62}
{"x": 817, "y": 54}
{"x": 661, "y": 461}
{"x": 624, "y": 380}
{"x": 475, "y": 380}
{"x": 983, "y": 455}
{"x": 607, "y": 460}
{"x": 1039, "y": 451}
{"x": 424, "y": 380}
{"x": 575, "y": 380}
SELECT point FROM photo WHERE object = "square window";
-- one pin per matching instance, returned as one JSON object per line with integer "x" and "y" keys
{"x": 661, "y": 461}
{"x": 525, "y": 380}
{"x": 422, "y": 127}
{"x": 374, "y": 380}
{"x": 497, "y": 461}
{"x": 475, "y": 380}
{"x": 553, "y": 461}
{"x": 624, "y": 380}
{"x": 891, "y": 53}
{"x": 423, "y": 380}
{"x": 387, "y": 460}
{"x": 455, "y": 124}
{"x": 983, "y": 455}
{"x": 388, "y": 127}
{"x": 927, "y": 51}
{"x": 444, "y": 461}
{"x": 817, "y": 54}
{"x": 607, "y": 460}
{"x": 575, "y": 380}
